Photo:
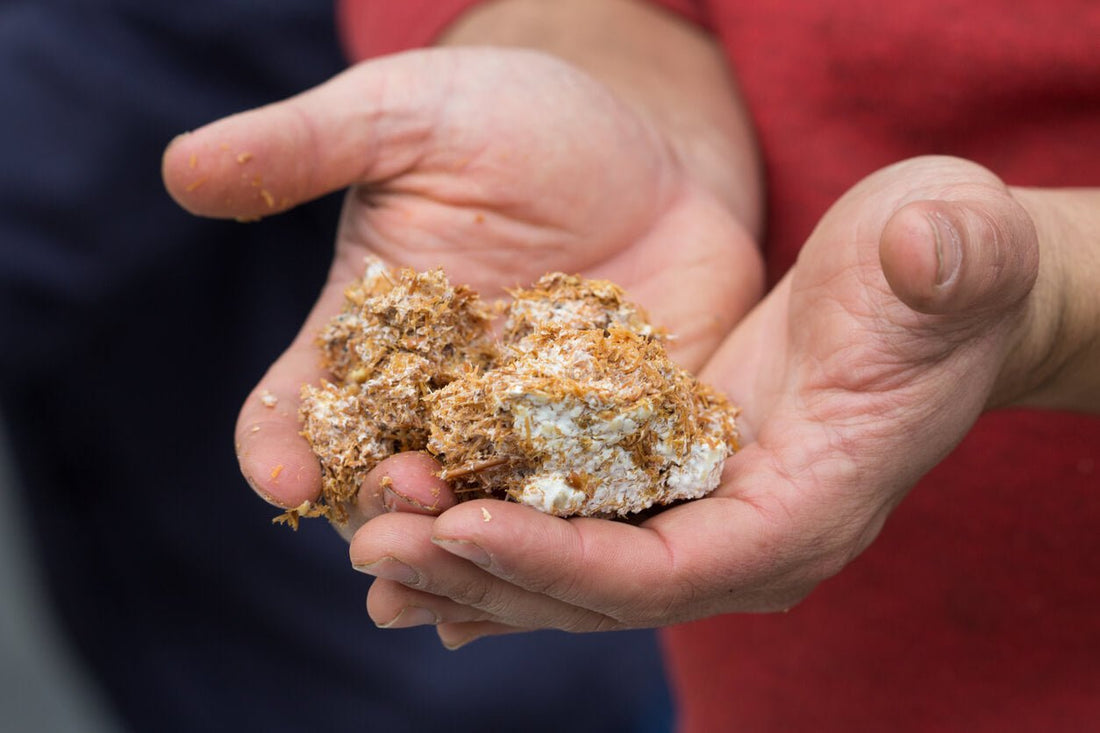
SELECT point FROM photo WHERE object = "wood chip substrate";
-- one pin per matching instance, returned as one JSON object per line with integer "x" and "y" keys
{"x": 563, "y": 398}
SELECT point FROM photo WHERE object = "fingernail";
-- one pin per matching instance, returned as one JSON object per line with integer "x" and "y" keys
{"x": 948, "y": 248}
{"x": 410, "y": 616}
{"x": 389, "y": 568}
{"x": 389, "y": 496}
{"x": 466, "y": 550}
{"x": 394, "y": 500}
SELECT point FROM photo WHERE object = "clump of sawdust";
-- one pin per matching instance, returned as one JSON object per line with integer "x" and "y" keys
{"x": 576, "y": 409}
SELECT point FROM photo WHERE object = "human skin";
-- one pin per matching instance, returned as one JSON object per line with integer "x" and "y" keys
{"x": 838, "y": 374}
{"x": 462, "y": 158}
{"x": 928, "y": 294}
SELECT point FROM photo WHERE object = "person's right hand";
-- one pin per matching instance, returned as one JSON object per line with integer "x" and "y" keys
{"x": 497, "y": 165}
{"x": 912, "y": 307}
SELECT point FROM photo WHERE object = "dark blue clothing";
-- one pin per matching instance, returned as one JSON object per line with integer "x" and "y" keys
{"x": 129, "y": 334}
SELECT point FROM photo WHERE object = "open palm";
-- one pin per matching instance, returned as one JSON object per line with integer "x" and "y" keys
{"x": 497, "y": 165}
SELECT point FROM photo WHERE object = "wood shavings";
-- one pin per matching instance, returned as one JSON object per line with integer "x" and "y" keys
{"x": 485, "y": 515}
{"x": 576, "y": 409}
{"x": 304, "y": 510}
{"x": 400, "y": 336}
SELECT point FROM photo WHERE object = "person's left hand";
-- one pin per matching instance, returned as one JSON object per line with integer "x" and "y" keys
{"x": 858, "y": 373}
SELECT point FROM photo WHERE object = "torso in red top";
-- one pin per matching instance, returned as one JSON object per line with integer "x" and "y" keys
{"x": 978, "y": 608}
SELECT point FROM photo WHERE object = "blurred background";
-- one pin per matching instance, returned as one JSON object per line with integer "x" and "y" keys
{"x": 142, "y": 585}
{"x": 42, "y": 687}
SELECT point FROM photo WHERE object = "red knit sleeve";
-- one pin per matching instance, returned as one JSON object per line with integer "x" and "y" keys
{"x": 371, "y": 28}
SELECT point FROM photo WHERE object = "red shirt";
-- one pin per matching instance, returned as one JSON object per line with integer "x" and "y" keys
{"x": 978, "y": 607}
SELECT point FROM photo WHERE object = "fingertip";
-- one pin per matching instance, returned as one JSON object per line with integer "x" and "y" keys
{"x": 955, "y": 256}
{"x": 227, "y": 169}
{"x": 409, "y": 482}
{"x": 384, "y": 604}
{"x": 175, "y": 163}
{"x": 274, "y": 458}
{"x": 919, "y": 253}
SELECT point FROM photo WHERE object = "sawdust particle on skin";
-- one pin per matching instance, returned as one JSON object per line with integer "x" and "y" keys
{"x": 268, "y": 400}
{"x": 485, "y": 515}
{"x": 276, "y": 471}
{"x": 244, "y": 158}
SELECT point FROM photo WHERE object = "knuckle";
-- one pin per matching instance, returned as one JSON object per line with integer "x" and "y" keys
{"x": 561, "y": 583}
{"x": 483, "y": 593}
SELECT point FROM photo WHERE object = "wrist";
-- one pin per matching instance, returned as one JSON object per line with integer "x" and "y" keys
{"x": 1055, "y": 361}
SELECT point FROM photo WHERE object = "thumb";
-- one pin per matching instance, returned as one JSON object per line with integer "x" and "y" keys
{"x": 973, "y": 256}
{"x": 366, "y": 124}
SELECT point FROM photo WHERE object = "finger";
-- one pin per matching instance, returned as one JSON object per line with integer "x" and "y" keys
{"x": 973, "y": 256}
{"x": 618, "y": 574}
{"x": 740, "y": 551}
{"x": 762, "y": 549}
{"x": 269, "y": 159}
{"x": 405, "y": 482}
{"x": 392, "y": 605}
{"x": 408, "y": 482}
{"x": 274, "y": 457}
{"x": 398, "y": 547}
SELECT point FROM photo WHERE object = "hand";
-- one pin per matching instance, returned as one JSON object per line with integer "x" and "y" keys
{"x": 498, "y": 165}
{"x": 857, "y": 374}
